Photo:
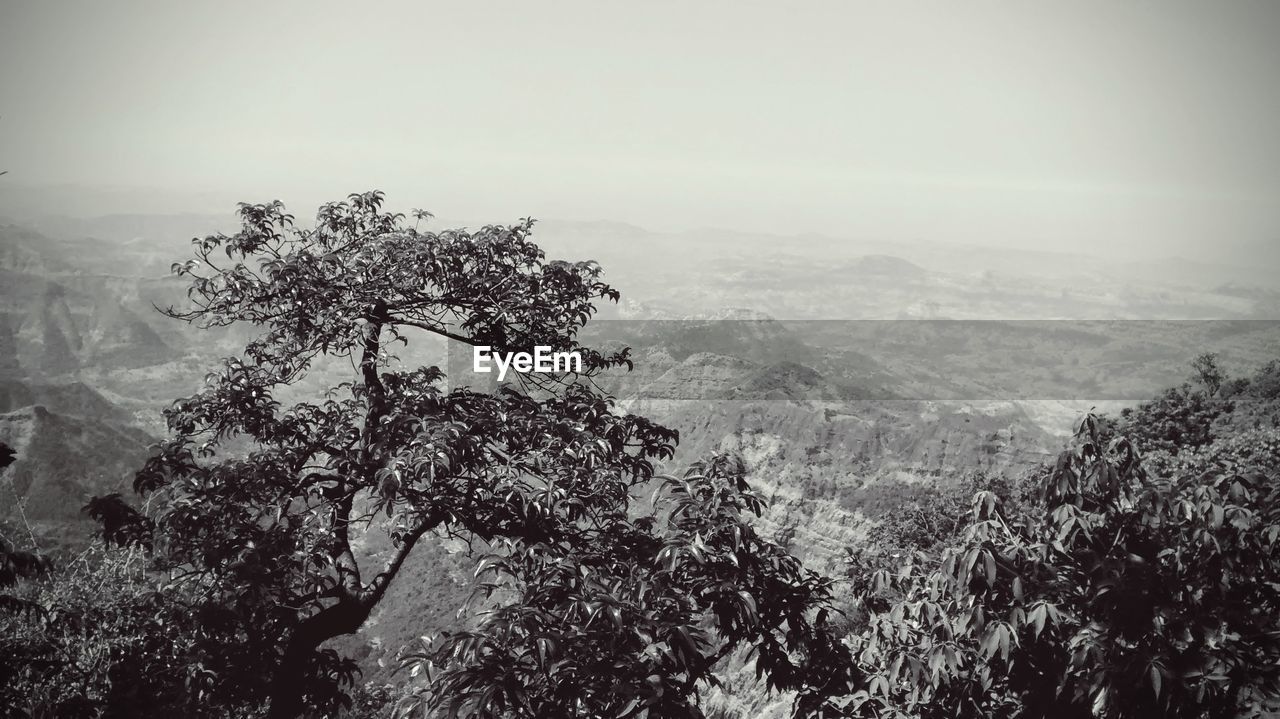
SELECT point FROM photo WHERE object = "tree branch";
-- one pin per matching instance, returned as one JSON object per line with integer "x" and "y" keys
{"x": 378, "y": 587}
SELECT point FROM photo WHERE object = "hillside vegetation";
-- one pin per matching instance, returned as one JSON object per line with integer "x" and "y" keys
{"x": 730, "y": 515}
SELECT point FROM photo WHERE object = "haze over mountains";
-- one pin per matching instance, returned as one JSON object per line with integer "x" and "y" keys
{"x": 870, "y": 248}
{"x": 834, "y": 369}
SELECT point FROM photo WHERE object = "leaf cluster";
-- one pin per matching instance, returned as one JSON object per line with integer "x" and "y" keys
{"x": 1124, "y": 594}
{"x": 631, "y": 621}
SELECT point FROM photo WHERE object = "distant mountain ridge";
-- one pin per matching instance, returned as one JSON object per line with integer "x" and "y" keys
{"x": 63, "y": 460}
{"x": 73, "y": 398}
{"x": 814, "y": 409}
{"x": 57, "y": 329}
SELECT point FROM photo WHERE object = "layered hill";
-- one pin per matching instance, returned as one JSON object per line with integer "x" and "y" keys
{"x": 61, "y": 311}
{"x": 63, "y": 460}
{"x": 818, "y": 409}
{"x": 56, "y": 329}
{"x": 73, "y": 398}
{"x": 70, "y": 444}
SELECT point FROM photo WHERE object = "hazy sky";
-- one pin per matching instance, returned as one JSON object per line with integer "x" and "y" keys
{"x": 1142, "y": 124}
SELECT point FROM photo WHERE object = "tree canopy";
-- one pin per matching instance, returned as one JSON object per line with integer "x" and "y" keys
{"x": 258, "y": 503}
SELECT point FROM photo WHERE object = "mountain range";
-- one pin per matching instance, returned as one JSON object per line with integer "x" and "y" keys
{"x": 840, "y": 375}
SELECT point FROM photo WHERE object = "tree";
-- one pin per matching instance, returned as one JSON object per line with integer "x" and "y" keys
{"x": 1255, "y": 400}
{"x": 543, "y": 475}
{"x": 1124, "y": 595}
{"x": 1208, "y": 372}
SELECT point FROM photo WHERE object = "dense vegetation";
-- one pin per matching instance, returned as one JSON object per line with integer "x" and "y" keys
{"x": 253, "y": 508}
{"x": 1134, "y": 576}
{"x": 1118, "y": 591}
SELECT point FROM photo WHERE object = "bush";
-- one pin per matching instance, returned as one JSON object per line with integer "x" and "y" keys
{"x": 1123, "y": 594}
{"x": 102, "y": 637}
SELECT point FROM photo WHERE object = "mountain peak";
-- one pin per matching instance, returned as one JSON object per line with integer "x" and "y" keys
{"x": 62, "y": 460}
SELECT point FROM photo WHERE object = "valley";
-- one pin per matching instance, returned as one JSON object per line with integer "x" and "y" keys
{"x": 838, "y": 381}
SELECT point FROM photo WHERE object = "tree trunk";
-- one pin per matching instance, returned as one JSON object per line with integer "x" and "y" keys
{"x": 290, "y": 680}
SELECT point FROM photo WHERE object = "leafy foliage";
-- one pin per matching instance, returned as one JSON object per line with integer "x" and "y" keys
{"x": 121, "y": 524}
{"x": 927, "y": 517}
{"x": 543, "y": 475}
{"x": 925, "y": 521}
{"x": 1209, "y": 373}
{"x": 1124, "y": 595}
{"x": 1182, "y": 418}
{"x": 1255, "y": 400}
{"x": 627, "y": 620}
{"x": 103, "y": 637}
{"x": 16, "y": 563}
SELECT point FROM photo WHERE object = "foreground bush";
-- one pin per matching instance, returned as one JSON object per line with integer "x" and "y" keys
{"x": 1123, "y": 594}
{"x": 103, "y": 637}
